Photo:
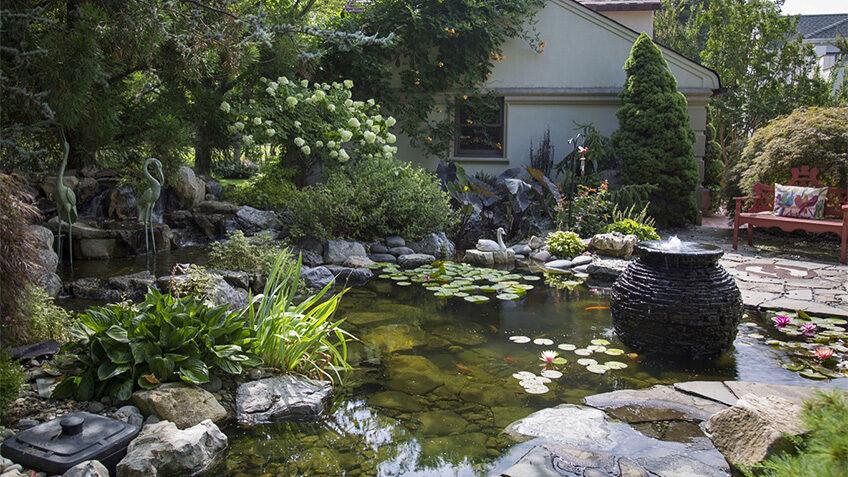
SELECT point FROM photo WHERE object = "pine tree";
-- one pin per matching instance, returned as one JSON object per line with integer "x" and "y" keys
{"x": 655, "y": 138}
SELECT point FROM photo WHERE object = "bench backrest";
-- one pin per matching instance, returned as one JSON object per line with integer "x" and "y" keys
{"x": 804, "y": 176}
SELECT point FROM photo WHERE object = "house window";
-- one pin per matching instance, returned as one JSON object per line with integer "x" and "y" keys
{"x": 480, "y": 127}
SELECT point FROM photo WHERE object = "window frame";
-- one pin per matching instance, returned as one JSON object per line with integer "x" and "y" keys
{"x": 459, "y": 152}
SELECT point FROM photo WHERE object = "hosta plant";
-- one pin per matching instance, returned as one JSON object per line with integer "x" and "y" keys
{"x": 565, "y": 244}
{"x": 123, "y": 347}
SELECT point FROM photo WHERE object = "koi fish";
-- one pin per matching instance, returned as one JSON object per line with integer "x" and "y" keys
{"x": 594, "y": 308}
{"x": 463, "y": 369}
{"x": 509, "y": 359}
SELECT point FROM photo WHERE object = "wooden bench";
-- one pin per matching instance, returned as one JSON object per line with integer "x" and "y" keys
{"x": 760, "y": 213}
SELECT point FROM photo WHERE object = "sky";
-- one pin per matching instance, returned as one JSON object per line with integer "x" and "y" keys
{"x": 810, "y": 7}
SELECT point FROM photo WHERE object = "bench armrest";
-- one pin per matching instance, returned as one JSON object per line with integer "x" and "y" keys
{"x": 746, "y": 197}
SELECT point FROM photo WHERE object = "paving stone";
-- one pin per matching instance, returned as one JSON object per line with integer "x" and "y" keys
{"x": 797, "y": 394}
{"x": 808, "y": 306}
{"x": 654, "y": 404}
{"x": 755, "y": 298}
{"x": 713, "y": 390}
{"x": 799, "y": 294}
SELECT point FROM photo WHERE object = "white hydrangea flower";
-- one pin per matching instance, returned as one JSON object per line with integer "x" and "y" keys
{"x": 283, "y": 80}
{"x": 331, "y": 144}
{"x": 239, "y": 125}
{"x": 271, "y": 91}
{"x": 247, "y": 139}
{"x": 268, "y": 122}
{"x": 263, "y": 79}
{"x": 375, "y": 128}
{"x": 225, "y": 107}
{"x": 387, "y": 148}
{"x": 390, "y": 121}
{"x": 334, "y": 153}
{"x": 298, "y": 141}
{"x": 348, "y": 84}
{"x": 297, "y": 124}
{"x": 343, "y": 157}
{"x": 371, "y": 102}
{"x": 319, "y": 144}
{"x": 320, "y": 94}
{"x": 331, "y": 107}
{"x": 337, "y": 85}
{"x": 348, "y": 102}
{"x": 370, "y": 137}
{"x": 291, "y": 101}
{"x": 353, "y": 122}
{"x": 306, "y": 150}
{"x": 270, "y": 132}
{"x": 346, "y": 135}
{"x": 304, "y": 83}
{"x": 378, "y": 117}
{"x": 358, "y": 104}
{"x": 257, "y": 121}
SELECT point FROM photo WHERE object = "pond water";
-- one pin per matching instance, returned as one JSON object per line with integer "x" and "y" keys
{"x": 434, "y": 387}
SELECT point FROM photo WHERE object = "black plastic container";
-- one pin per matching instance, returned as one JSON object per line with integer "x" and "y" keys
{"x": 56, "y": 446}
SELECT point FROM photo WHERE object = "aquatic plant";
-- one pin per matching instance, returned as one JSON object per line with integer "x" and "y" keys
{"x": 548, "y": 356}
{"x": 781, "y": 320}
{"x": 808, "y": 329}
{"x": 459, "y": 280}
{"x": 297, "y": 337}
{"x": 823, "y": 353}
{"x": 252, "y": 255}
{"x": 565, "y": 244}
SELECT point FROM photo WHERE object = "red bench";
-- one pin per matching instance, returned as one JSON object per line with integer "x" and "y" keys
{"x": 760, "y": 213}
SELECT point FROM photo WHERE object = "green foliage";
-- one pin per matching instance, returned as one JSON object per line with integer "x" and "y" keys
{"x": 312, "y": 123}
{"x": 123, "y": 347}
{"x": 12, "y": 378}
{"x": 655, "y": 140}
{"x": 194, "y": 280}
{"x": 45, "y": 320}
{"x": 271, "y": 189}
{"x": 823, "y": 452}
{"x": 632, "y": 227}
{"x": 255, "y": 254}
{"x": 565, "y": 244}
{"x": 302, "y": 337}
{"x": 713, "y": 164}
{"x": 588, "y": 212}
{"x": 631, "y": 213}
{"x": 440, "y": 47}
{"x": 632, "y": 196}
{"x": 817, "y": 137}
{"x": 372, "y": 198}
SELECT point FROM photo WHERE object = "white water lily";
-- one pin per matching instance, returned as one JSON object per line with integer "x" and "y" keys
{"x": 299, "y": 141}
{"x": 291, "y": 101}
{"x": 548, "y": 356}
{"x": 353, "y": 122}
{"x": 257, "y": 121}
{"x": 391, "y": 138}
{"x": 346, "y": 135}
{"x": 225, "y": 107}
{"x": 306, "y": 150}
{"x": 348, "y": 84}
{"x": 390, "y": 121}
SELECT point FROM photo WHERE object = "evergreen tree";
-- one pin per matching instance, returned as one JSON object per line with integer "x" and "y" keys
{"x": 654, "y": 138}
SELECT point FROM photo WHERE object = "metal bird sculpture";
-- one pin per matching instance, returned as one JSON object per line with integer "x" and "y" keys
{"x": 148, "y": 200}
{"x": 66, "y": 202}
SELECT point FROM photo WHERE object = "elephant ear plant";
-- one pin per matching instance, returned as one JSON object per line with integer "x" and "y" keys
{"x": 119, "y": 348}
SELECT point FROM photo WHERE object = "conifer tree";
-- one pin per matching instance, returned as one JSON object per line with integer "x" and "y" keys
{"x": 655, "y": 140}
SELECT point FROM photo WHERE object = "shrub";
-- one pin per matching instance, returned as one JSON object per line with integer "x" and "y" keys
{"x": 122, "y": 347}
{"x": 234, "y": 169}
{"x": 590, "y": 211}
{"x": 237, "y": 252}
{"x": 297, "y": 338}
{"x": 193, "y": 280}
{"x": 271, "y": 189}
{"x": 823, "y": 452}
{"x": 713, "y": 166}
{"x": 12, "y": 378}
{"x": 565, "y": 244}
{"x": 370, "y": 199}
{"x": 655, "y": 139}
{"x": 631, "y": 227}
{"x": 814, "y": 136}
{"x": 45, "y": 320}
{"x": 18, "y": 253}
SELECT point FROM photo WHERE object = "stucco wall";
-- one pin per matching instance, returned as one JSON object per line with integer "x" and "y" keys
{"x": 576, "y": 79}
{"x": 641, "y": 21}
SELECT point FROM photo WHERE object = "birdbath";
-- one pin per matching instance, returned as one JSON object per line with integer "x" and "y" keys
{"x": 676, "y": 300}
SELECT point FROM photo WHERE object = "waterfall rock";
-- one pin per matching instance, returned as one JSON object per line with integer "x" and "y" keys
{"x": 435, "y": 244}
{"x": 281, "y": 398}
{"x": 161, "y": 449}
{"x": 254, "y": 220}
{"x": 395, "y": 241}
{"x": 184, "y": 405}
{"x": 89, "y": 468}
{"x": 414, "y": 260}
{"x": 337, "y": 251}
{"x": 316, "y": 277}
{"x": 614, "y": 244}
{"x": 190, "y": 189}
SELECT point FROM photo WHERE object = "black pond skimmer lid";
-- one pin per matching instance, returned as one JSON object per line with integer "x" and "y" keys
{"x": 56, "y": 446}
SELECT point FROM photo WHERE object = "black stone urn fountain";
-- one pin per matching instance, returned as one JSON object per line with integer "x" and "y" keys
{"x": 676, "y": 300}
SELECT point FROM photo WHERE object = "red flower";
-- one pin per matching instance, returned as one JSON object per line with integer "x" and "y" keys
{"x": 823, "y": 353}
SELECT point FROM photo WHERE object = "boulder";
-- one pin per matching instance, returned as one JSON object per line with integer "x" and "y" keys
{"x": 377, "y": 247}
{"x": 214, "y": 188}
{"x": 100, "y": 248}
{"x": 535, "y": 243}
{"x": 217, "y": 207}
{"x": 35, "y": 350}
{"x": 606, "y": 268}
{"x": 383, "y": 257}
{"x": 125, "y": 287}
{"x": 337, "y": 251}
{"x": 614, "y": 244}
{"x": 161, "y": 449}
{"x": 352, "y": 276}
{"x": 316, "y": 277}
{"x": 435, "y": 244}
{"x": 755, "y": 428}
{"x": 395, "y": 241}
{"x": 580, "y": 260}
{"x": 504, "y": 257}
{"x": 478, "y": 258}
{"x": 179, "y": 403}
{"x": 190, "y": 189}
{"x": 47, "y": 260}
{"x": 542, "y": 256}
{"x": 398, "y": 251}
{"x": 281, "y": 398}
{"x": 129, "y": 414}
{"x": 521, "y": 249}
{"x": 559, "y": 265}
{"x": 50, "y": 283}
{"x": 254, "y": 220}
{"x": 308, "y": 257}
{"x": 358, "y": 262}
{"x": 89, "y": 468}
{"x": 414, "y": 260}
{"x": 43, "y": 236}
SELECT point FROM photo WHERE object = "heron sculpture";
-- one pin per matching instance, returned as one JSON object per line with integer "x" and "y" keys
{"x": 148, "y": 200}
{"x": 66, "y": 202}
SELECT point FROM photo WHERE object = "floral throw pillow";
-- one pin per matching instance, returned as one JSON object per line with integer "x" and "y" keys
{"x": 802, "y": 202}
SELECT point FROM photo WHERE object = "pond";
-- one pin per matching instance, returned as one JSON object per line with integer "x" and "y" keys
{"x": 434, "y": 384}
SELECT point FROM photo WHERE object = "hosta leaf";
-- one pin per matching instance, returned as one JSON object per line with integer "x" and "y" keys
{"x": 228, "y": 366}
{"x": 194, "y": 371}
{"x": 66, "y": 388}
{"x": 108, "y": 370}
{"x": 144, "y": 351}
{"x": 223, "y": 351}
{"x": 147, "y": 381}
{"x": 162, "y": 367}
{"x": 123, "y": 390}
{"x": 118, "y": 353}
{"x": 85, "y": 390}
{"x": 118, "y": 334}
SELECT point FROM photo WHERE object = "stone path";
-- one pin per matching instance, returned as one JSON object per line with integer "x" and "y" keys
{"x": 783, "y": 284}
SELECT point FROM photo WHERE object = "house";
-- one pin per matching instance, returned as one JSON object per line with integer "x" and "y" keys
{"x": 576, "y": 79}
{"x": 821, "y": 32}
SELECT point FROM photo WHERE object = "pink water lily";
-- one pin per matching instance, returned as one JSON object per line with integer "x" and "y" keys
{"x": 823, "y": 353}
{"x": 548, "y": 356}
{"x": 781, "y": 320}
{"x": 809, "y": 329}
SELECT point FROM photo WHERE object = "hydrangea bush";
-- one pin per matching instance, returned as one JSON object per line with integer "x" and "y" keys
{"x": 313, "y": 122}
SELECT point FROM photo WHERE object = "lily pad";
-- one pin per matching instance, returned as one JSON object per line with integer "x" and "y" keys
{"x": 477, "y": 299}
{"x": 567, "y": 347}
{"x": 403, "y": 284}
{"x": 615, "y": 365}
{"x": 551, "y": 373}
{"x": 519, "y": 339}
{"x": 810, "y": 374}
{"x": 523, "y": 375}
{"x": 596, "y": 368}
{"x": 583, "y": 352}
{"x": 614, "y": 351}
{"x": 531, "y": 278}
{"x": 586, "y": 361}
{"x": 543, "y": 341}
{"x": 559, "y": 361}
{"x": 540, "y": 389}
{"x": 600, "y": 342}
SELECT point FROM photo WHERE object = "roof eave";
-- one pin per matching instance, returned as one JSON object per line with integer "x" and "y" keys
{"x": 624, "y": 6}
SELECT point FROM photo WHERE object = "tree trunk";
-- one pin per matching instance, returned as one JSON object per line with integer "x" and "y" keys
{"x": 79, "y": 155}
{"x": 203, "y": 150}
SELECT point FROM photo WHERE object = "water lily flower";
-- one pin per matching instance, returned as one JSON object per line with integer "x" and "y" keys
{"x": 291, "y": 101}
{"x": 781, "y": 320}
{"x": 348, "y": 84}
{"x": 548, "y": 356}
{"x": 808, "y": 329}
{"x": 823, "y": 353}
{"x": 390, "y": 121}
{"x": 299, "y": 141}
{"x": 353, "y": 122}
{"x": 225, "y": 107}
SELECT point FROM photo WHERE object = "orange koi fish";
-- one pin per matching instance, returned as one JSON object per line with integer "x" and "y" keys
{"x": 594, "y": 308}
